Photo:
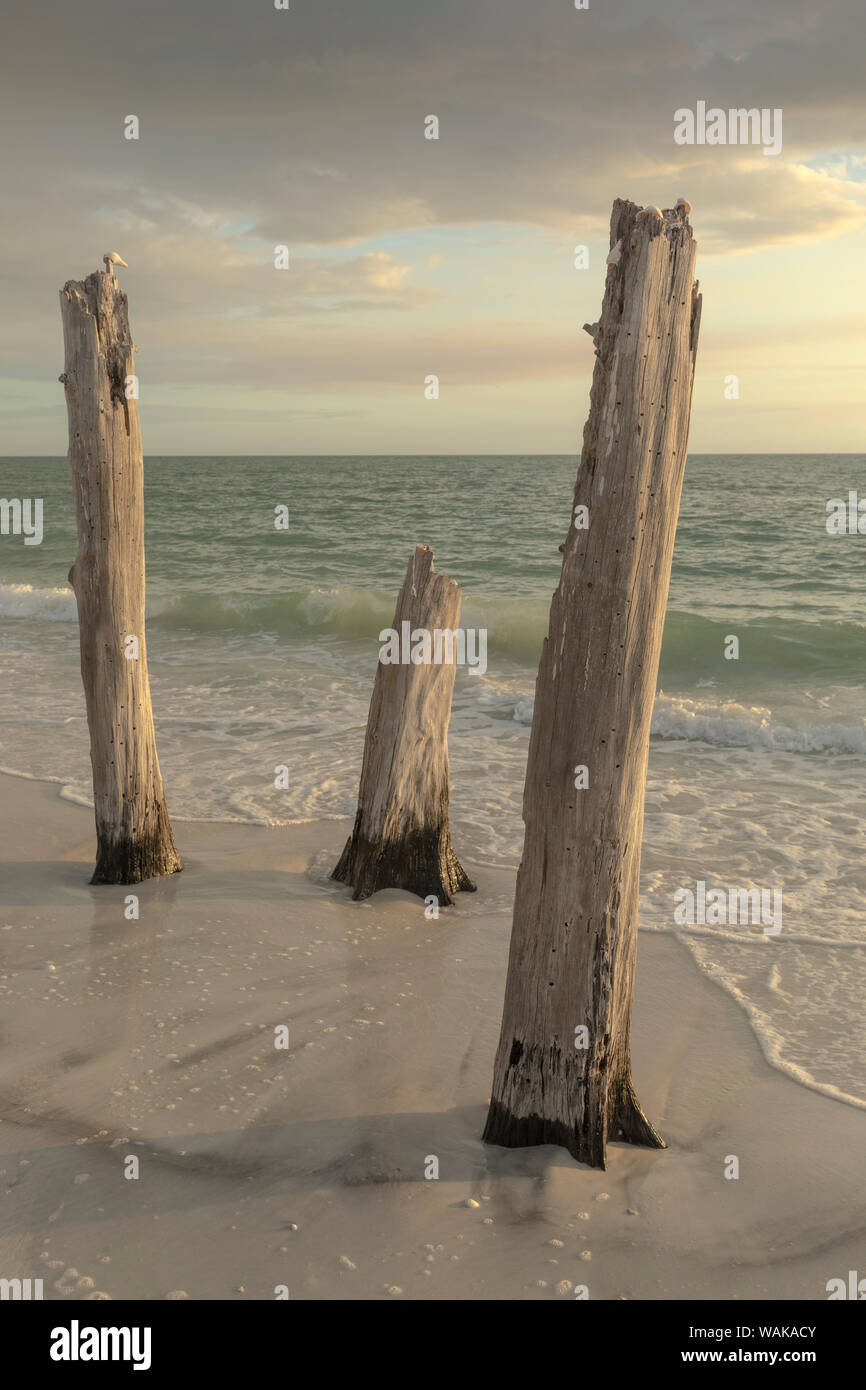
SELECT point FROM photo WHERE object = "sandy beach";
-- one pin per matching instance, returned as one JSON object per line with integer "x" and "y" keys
{"x": 305, "y": 1167}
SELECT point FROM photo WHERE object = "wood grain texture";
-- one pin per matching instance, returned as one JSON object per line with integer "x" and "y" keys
{"x": 134, "y": 836}
{"x": 401, "y": 837}
{"x": 574, "y": 934}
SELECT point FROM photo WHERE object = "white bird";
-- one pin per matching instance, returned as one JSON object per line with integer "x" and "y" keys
{"x": 113, "y": 258}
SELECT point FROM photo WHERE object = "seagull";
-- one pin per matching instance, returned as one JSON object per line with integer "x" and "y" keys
{"x": 113, "y": 258}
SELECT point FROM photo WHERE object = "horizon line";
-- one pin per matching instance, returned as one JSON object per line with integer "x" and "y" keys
{"x": 461, "y": 453}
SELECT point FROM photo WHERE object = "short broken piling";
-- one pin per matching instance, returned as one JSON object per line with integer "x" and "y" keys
{"x": 401, "y": 837}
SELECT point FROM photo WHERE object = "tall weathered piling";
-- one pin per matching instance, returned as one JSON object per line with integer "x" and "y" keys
{"x": 134, "y": 837}
{"x": 563, "y": 1066}
{"x": 401, "y": 837}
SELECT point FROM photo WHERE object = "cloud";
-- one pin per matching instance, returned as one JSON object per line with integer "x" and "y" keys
{"x": 306, "y": 128}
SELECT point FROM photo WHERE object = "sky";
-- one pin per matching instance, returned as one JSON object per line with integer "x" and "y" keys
{"x": 409, "y": 257}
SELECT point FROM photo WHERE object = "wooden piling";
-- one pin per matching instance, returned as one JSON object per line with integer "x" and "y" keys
{"x": 134, "y": 837}
{"x": 401, "y": 837}
{"x": 562, "y": 1073}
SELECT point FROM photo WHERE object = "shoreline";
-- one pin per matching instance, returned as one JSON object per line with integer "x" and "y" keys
{"x": 768, "y": 1041}
{"x": 155, "y": 1038}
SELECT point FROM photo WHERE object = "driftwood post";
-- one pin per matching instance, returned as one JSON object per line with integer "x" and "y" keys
{"x": 401, "y": 837}
{"x": 563, "y": 1067}
{"x": 134, "y": 839}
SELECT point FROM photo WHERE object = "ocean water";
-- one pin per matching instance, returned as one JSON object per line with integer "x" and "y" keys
{"x": 263, "y": 644}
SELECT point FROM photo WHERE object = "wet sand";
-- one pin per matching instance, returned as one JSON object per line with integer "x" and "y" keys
{"x": 305, "y": 1168}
